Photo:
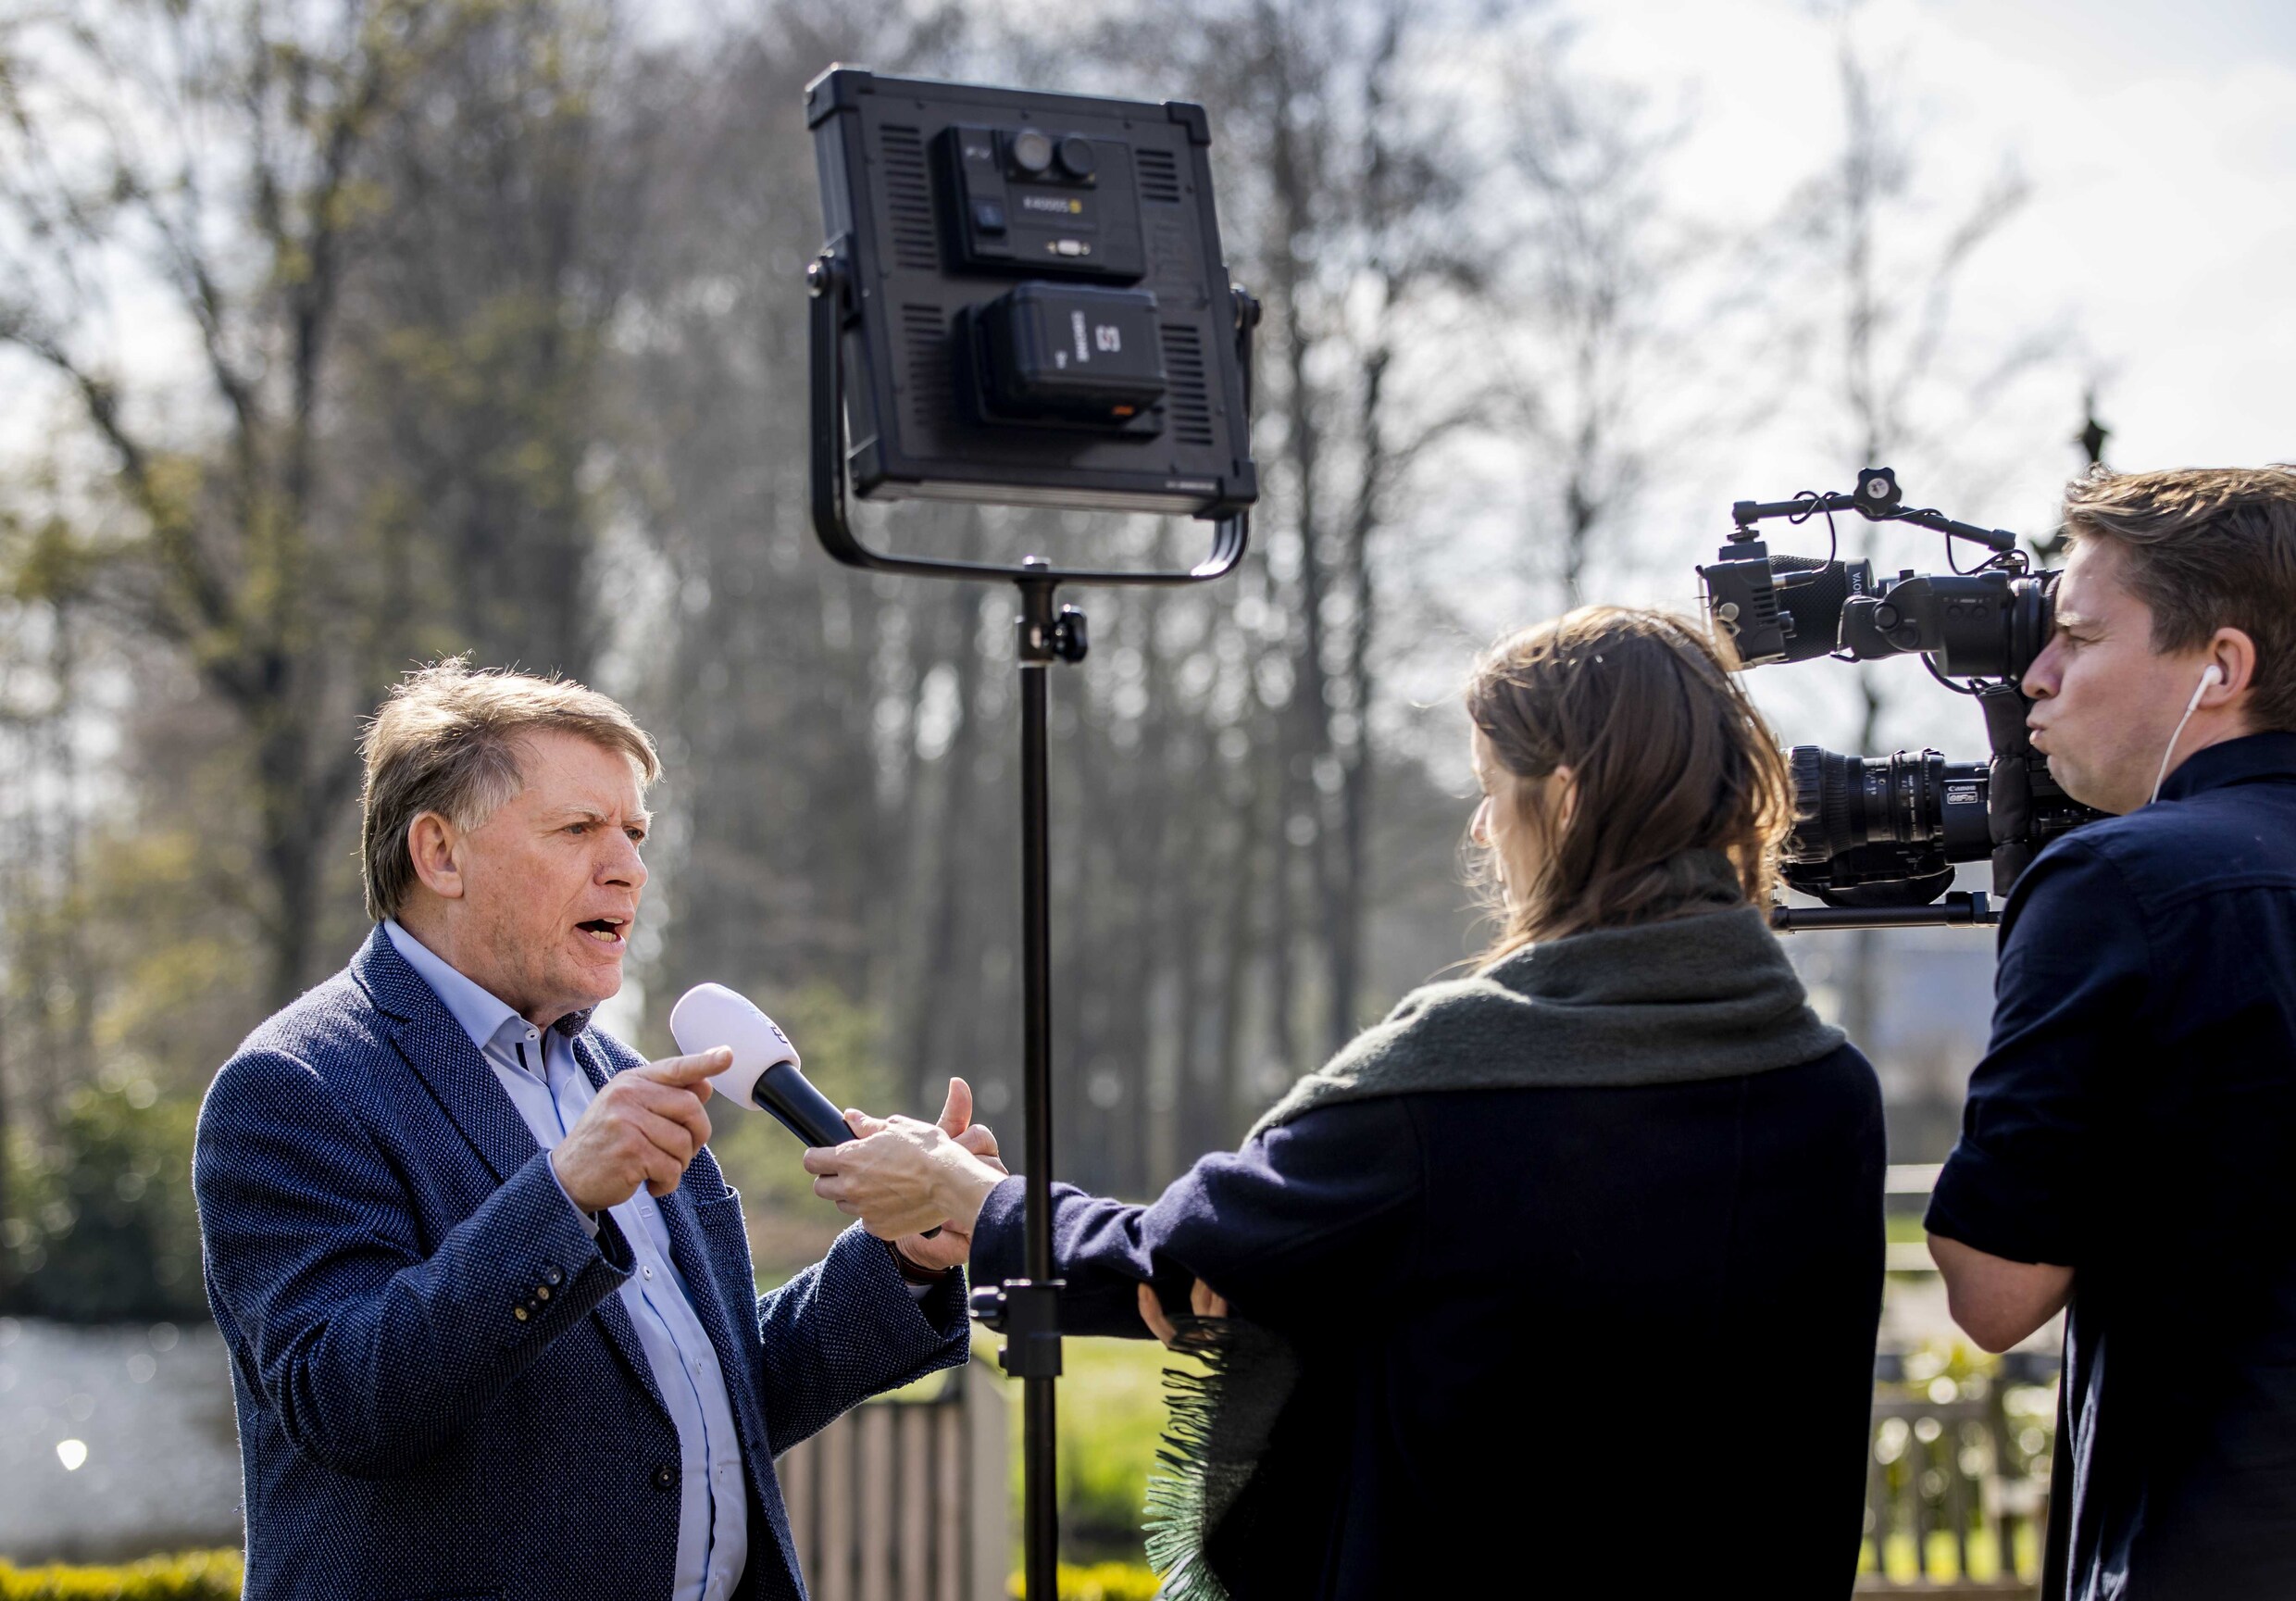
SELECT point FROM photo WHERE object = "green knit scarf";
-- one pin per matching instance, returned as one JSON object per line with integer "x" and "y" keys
{"x": 1707, "y": 995}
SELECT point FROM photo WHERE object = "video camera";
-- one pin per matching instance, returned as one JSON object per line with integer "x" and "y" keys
{"x": 1876, "y": 838}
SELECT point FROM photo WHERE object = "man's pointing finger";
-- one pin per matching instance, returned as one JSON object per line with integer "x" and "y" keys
{"x": 689, "y": 1071}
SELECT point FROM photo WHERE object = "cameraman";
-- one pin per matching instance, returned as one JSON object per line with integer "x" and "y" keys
{"x": 2125, "y": 1150}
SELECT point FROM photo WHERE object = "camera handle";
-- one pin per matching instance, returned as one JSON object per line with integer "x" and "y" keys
{"x": 1876, "y": 499}
{"x": 1026, "y": 1311}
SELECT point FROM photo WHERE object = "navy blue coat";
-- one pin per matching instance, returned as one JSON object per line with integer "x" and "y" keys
{"x": 439, "y": 1392}
{"x": 1554, "y": 1342}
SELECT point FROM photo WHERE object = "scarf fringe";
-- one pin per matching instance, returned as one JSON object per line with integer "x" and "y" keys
{"x": 1217, "y": 1422}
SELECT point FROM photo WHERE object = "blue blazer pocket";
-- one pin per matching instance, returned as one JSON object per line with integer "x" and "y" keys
{"x": 718, "y": 1207}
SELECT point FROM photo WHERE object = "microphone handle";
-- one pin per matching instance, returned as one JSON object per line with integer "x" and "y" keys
{"x": 803, "y": 1111}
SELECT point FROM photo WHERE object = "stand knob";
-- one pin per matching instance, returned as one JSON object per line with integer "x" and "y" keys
{"x": 1069, "y": 638}
{"x": 988, "y": 1306}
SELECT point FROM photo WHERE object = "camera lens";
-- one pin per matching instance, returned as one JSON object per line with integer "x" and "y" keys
{"x": 1075, "y": 155}
{"x": 1912, "y": 797}
{"x": 1032, "y": 151}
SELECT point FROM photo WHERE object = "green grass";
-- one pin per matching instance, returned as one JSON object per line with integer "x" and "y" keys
{"x": 1111, "y": 1414}
{"x": 1897, "y": 1558}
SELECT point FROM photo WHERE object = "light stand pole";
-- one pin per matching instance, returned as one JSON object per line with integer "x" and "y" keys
{"x": 1028, "y": 1310}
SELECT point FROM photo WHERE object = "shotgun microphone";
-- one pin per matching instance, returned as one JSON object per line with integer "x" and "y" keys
{"x": 765, "y": 1071}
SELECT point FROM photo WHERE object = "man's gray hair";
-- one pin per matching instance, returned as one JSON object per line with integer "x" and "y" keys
{"x": 446, "y": 739}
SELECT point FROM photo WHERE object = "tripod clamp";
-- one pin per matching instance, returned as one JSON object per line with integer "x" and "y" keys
{"x": 1027, "y": 1314}
{"x": 1048, "y": 636}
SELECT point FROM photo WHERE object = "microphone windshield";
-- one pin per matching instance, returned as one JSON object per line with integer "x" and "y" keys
{"x": 765, "y": 1071}
{"x": 708, "y": 1016}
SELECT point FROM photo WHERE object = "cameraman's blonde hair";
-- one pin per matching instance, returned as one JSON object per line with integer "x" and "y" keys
{"x": 447, "y": 741}
{"x": 1668, "y": 756}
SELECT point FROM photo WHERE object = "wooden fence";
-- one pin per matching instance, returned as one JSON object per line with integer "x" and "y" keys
{"x": 904, "y": 1499}
{"x": 1953, "y": 1480}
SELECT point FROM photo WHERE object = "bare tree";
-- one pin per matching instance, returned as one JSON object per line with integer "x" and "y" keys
{"x": 1895, "y": 332}
{"x": 219, "y": 151}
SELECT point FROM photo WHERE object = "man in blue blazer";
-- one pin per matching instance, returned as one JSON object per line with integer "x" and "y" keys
{"x": 489, "y": 1301}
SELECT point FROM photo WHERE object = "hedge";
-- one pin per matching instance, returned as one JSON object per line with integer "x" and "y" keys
{"x": 192, "y": 1576}
{"x": 215, "y": 1576}
{"x": 1101, "y": 1582}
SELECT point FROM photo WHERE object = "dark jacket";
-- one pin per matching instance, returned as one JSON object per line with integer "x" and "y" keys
{"x": 1566, "y": 1342}
{"x": 2133, "y": 1118}
{"x": 439, "y": 1392}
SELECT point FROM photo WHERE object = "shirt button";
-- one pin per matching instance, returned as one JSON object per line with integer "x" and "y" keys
{"x": 646, "y": 1272}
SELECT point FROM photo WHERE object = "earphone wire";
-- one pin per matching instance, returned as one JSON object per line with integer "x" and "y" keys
{"x": 2210, "y": 676}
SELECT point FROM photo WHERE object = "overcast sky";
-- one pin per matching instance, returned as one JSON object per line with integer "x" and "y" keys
{"x": 2159, "y": 140}
{"x": 2160, "y": 143}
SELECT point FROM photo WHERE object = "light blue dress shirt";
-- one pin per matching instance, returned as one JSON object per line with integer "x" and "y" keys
{"x": 538, "y": 1069}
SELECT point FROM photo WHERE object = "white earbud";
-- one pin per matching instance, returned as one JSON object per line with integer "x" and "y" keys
{"x": 2211, "y": 676}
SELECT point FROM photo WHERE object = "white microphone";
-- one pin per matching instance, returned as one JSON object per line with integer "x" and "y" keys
{"x": 765, "y": 1071}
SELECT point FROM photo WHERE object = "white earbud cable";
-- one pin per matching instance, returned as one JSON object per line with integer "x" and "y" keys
{"x": 2210, "y": 677}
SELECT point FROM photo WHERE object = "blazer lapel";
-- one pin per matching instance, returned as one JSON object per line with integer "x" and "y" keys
{"x": 612, "y": 1315}
{"x": 433, "y": 1043}
{"x": 693, "y": 1266}
{"x": 685, "y": 1238}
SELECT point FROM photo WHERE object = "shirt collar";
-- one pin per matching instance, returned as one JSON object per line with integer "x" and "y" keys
{"x": 483, "y": 1018}
{"x": 2255, "y": 756}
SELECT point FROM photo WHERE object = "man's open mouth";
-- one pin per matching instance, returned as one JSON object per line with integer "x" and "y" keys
{"x": 605, "y": 931}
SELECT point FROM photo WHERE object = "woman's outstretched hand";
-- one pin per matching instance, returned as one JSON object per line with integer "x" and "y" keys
{"x": 901, "y": 1176}
{"x": 1202, "y": 1300}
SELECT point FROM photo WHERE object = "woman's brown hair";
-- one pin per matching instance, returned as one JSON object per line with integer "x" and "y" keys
{"x": 1671, "y": 764}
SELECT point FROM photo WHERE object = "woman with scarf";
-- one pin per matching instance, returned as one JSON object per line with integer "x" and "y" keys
{"x": 1563, "y": 1279}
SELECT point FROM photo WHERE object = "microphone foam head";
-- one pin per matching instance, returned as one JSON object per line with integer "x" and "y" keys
{"x": 708, "y": 1016}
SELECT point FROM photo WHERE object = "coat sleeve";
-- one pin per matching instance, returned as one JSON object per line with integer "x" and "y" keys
{"x": 846, "y": 1329}
{"x": 2029, "y": 1180}
{"x": 1273, "y": 1227}
{"x": 372, "y": 1351}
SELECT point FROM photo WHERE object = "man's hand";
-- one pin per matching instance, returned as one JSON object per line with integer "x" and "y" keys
{"x": 902, "y": 1176}
{"x": 1202, "y": 1300}
{"x": 642, "y": 1129}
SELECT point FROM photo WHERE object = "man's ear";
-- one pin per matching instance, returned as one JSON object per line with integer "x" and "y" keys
{"x": 2234, "y": 654}
{"x": 435, "y": 843}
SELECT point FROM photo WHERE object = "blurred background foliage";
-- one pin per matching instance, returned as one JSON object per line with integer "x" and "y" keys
{"x": 97, "y": 1229}
{"x": 478, "y": 325}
